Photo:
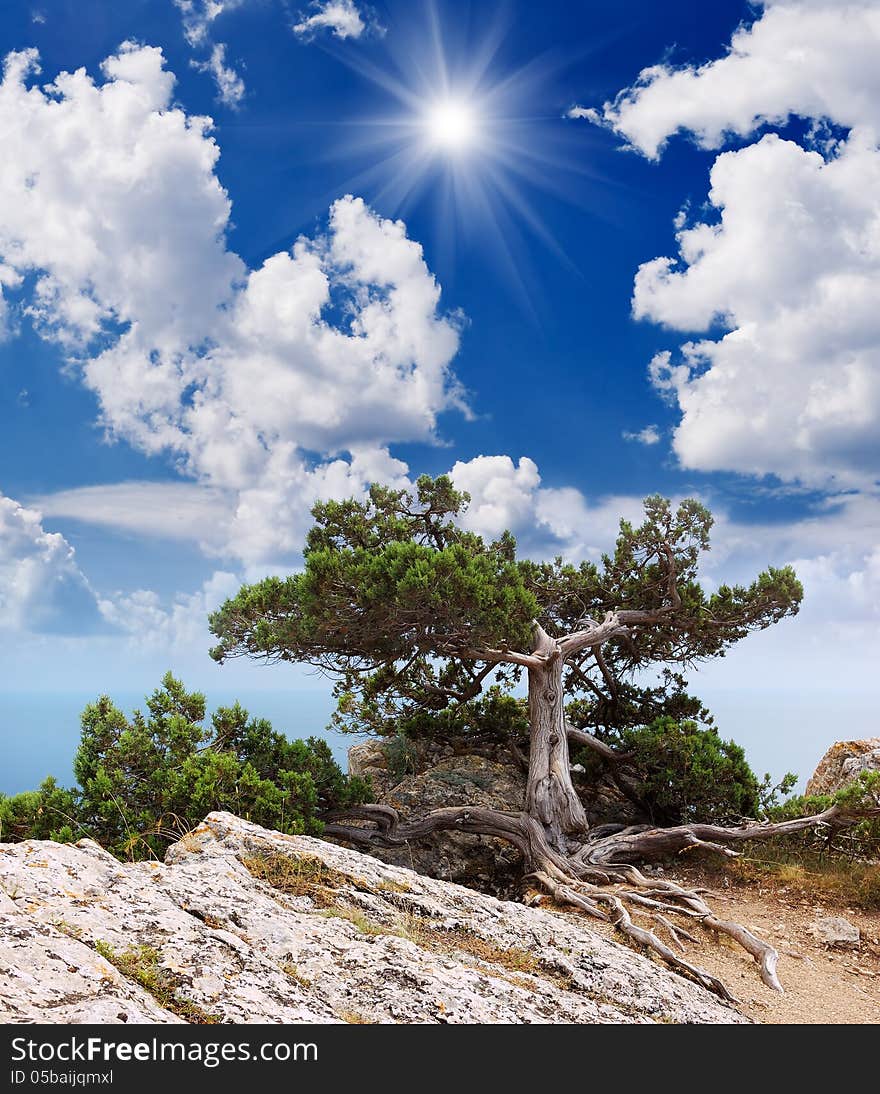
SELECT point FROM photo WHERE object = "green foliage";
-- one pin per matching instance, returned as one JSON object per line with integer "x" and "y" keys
{"x": 47, "y": 813}
{"x": 858, "y": 841}
{"x": 401, "y": 756}
{"x": 686, "y": 773}
{"x": 145, "y": 781}
{"x": 384, "y": 579}
{"x": 607, "y": 714}
{"x": 413, "y": 616}
{"x": 494, "y": 717}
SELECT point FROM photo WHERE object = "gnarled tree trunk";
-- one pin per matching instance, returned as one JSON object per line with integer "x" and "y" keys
{"x": 550, "y": 794}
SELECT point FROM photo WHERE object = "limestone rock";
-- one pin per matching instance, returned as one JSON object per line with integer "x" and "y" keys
{"x": 371, "y": 760}
{"x": 459, "y": 780}
{"x": 837, "y": 932}
{"x": 479, "y": 861}
{"x": 843, "y": 763}
{"x": 338, "y": 935}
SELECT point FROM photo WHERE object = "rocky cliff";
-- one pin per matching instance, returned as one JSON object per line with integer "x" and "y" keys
{"x": 240, "y": 924}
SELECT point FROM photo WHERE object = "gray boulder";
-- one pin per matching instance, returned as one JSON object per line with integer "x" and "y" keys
{"x": 240, "y": 924}
{"x": 843, "y": 763}
{"x": 836, "y": 932}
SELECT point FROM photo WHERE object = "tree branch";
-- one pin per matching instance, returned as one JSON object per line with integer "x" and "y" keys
{"x": 510, "y": 657}
{"x": 581, "y": 737}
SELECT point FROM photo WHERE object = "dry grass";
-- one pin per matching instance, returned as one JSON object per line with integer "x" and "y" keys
{"x": 422, "y": 931}
{"x": 392, "y": 887}
{"x": 353, "y": 1017}
{"x": 141, "y": 964}
{"x": 304, "y": 875}
{"x": 293, "y": 972}
{"x": 830, "y": 878}
{"x": 356, "y": 917}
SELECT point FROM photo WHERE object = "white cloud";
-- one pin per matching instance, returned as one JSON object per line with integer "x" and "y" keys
{"x": 648, "y": 436}
{"x": 166, "y": 510}
{"x": 180, "y": 626}
{"x": 127, "y": 231}
{"x": 787, "y": 262}
{"x": 198, "y": 20}
{"x": 41, "y": 585}
{"x": 341, "y": 17}
{"x": 502, "y": 492}
{"x": 236, "y": 374}
{"x": 230, "y": 86}
{"x": 199, "y": 15}
{"x": 810, "y": 58}
{"x": 546, "y": 521}
{"x": 792, "y": 269}
{"x": 587, "y": 113}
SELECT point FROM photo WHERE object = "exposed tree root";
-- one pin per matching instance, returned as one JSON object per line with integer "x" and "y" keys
{"x": 599, "y": 876}
{"x": 620, "y": 917}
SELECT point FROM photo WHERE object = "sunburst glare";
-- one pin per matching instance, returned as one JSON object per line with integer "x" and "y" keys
{"x": 470, "y": 131}
{"x": 451, "y": 125}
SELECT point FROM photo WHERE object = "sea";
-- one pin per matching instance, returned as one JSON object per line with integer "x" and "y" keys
{"x": 780, "y": 731}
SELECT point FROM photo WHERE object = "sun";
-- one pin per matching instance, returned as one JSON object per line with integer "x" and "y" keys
{"x": 451, "y": 125}
{"x": 459, "y": 126}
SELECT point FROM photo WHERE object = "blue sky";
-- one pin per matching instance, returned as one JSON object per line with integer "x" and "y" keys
{"x": 572, "y": 253}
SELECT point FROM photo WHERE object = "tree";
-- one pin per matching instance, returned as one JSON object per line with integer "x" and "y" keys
{"x": 409, "y": 612}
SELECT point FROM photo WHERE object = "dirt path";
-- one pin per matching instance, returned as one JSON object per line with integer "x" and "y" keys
{"x": 822, "y": 986}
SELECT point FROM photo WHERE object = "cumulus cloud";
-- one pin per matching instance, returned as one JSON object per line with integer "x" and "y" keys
{"x": 181, "y": 625}
{"x": 230, "y": 86}
{"x": 126, "y": 232}
{"x": 547, "y": 521}
{"x": 337, "y": 347}
{"x": 780, "y": 277}
{"x": 649, "y": 435}
{"x": 792, "y": 269}
{"x": 341, "y": 17}
{"x": 41, "y": 586}
{"x": 809, "y": 58}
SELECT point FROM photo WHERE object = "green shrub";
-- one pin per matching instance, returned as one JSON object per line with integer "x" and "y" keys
{"x": 494, "y": 717}
{"x": 48, "y": 813}
{"x": 146, "y": 780}
{"x": 684, "y": 772}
